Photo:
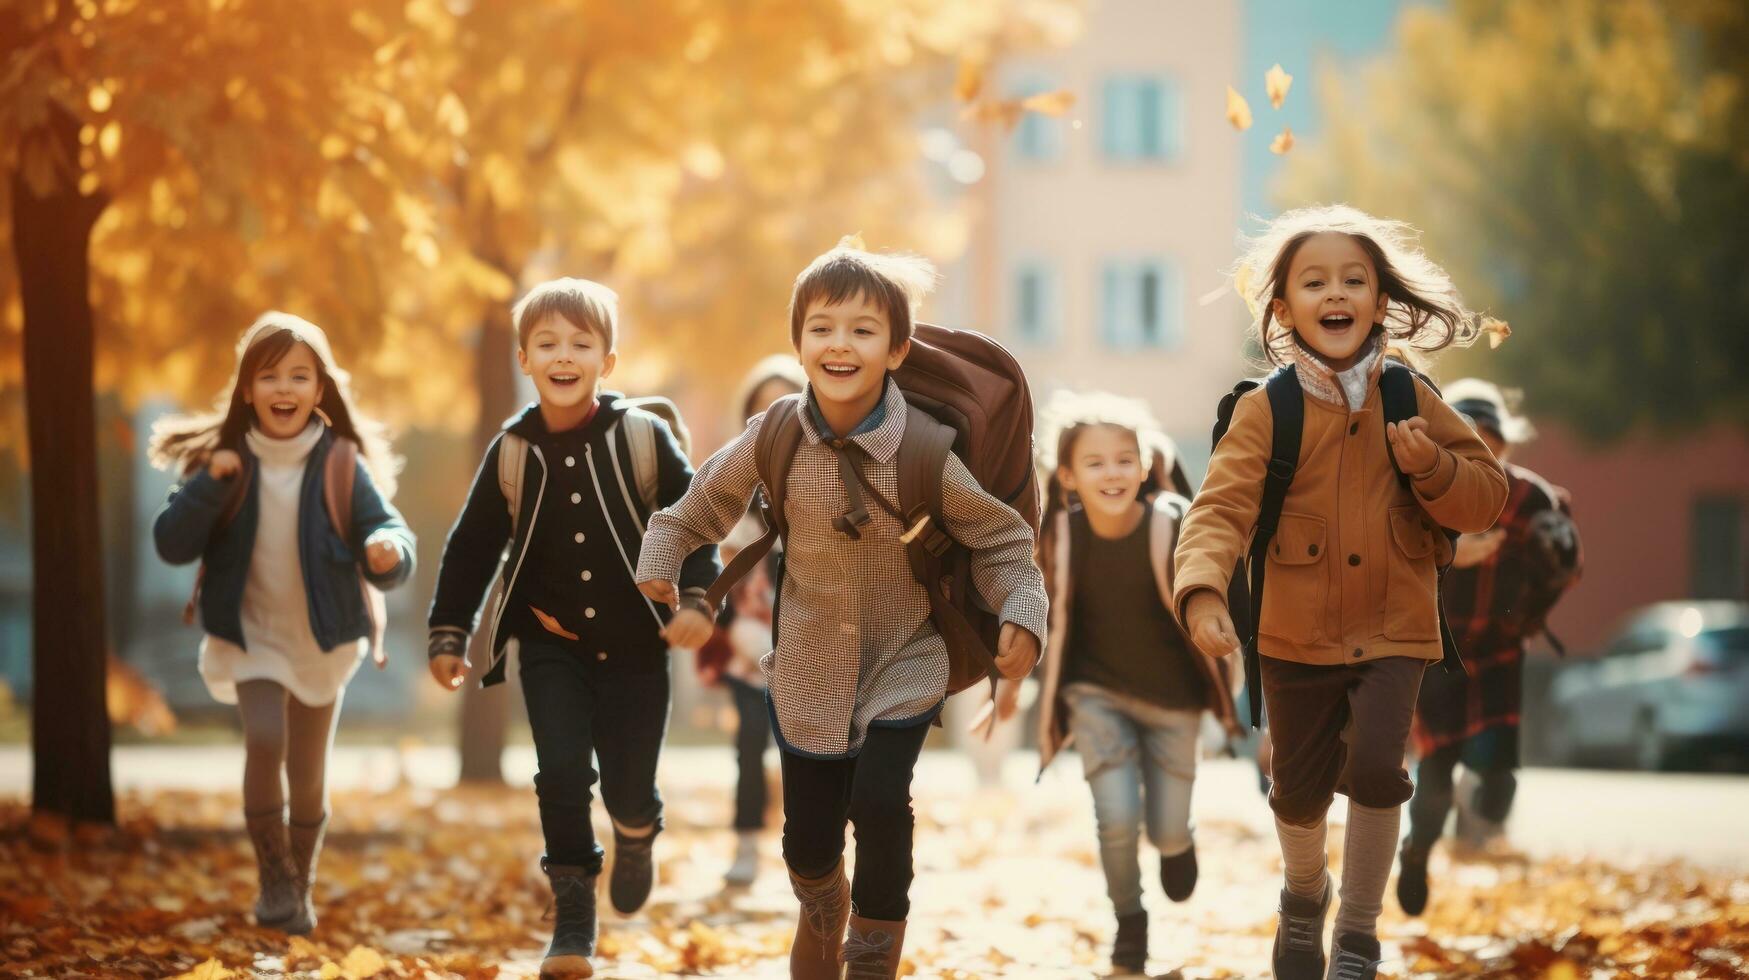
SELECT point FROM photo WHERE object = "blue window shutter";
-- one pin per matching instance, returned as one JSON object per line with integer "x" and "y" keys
{"x": 1117, "y": 130}
{"x": 1171, "y": 116}
{"x": 1149, "y": 138}
{"x": 1111, "y": 306}
{"x": 1171, "y": 305}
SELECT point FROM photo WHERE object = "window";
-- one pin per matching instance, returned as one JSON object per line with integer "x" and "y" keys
{"x": 1142, "y": 305}
{"x": 1035, "y": 304}
{"x": 1716, "y": 548}
{"x": 1037, "y": 137}
{"x": 1143, "y": 119}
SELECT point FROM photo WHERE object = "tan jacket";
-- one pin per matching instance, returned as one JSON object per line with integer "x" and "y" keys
{"x": 1053, "y": 717}
{"x": 1352, "y": 568}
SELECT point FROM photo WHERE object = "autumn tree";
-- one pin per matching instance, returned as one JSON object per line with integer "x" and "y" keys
{"x": 1583, "y": 168}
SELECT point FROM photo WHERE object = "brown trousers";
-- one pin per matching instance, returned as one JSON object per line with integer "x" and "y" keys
{"x": 1339, "y": 729}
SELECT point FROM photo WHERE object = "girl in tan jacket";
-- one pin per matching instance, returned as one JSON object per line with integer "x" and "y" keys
{"x": 1349, "y": 612}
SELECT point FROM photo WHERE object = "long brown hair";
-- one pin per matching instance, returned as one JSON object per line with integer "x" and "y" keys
{"x": 1069, "y": 414}
{"x": 184, "y": 443}
{"x": 1425, "y": 313}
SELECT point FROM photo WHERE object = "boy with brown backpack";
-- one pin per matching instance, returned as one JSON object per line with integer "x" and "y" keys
{"x": 901, "y": 485}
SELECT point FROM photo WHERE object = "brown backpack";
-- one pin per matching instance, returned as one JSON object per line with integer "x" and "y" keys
{"x": 965, "y": 394}
{"x": 338, "y": 471}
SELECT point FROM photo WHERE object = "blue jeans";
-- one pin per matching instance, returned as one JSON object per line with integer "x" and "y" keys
{"x": 1140, "y": 762}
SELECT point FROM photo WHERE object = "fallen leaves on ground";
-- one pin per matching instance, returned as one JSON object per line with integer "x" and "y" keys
{"x": 422, "y": 883}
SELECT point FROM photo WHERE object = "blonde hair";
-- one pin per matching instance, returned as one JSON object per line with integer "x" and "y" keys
{"x": 894, "y": 283}
{"x": 1424, "y": 313}
{"x": 583, "y": 303}
{"x": 1067, "y": 414}
{"x": 184, "y": 443}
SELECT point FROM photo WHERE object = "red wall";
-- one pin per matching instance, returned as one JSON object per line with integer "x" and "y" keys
{"x": 1633, "y": 502}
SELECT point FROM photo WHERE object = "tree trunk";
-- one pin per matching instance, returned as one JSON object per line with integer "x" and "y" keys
{"x": 485, "y": 713}
{"x": 51, "y": 236}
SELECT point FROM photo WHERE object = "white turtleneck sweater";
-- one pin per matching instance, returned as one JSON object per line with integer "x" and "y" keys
{"x": 276, "y": 612}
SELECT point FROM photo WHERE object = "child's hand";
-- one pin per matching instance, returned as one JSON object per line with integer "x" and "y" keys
{"x": 1416, "y": 453}
{"x": 688, "y": 630}
{"x": 449, "y": 670}
{"x": 1211, "y": 628}
{"x": 224, "y": 464}
{"x": 1016, "y": 652}
{"x": 381, "y": 553}
{"x": 660, "y": 591}
{"x": 1474, "y": 549}
{"x": 1007, "y": 699}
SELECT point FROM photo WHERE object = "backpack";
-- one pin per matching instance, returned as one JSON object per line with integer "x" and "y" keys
{"x": 1287, "y": 406}
{"x": 640, "y": 427}
{"x": 964, "y": 394}
{"x": 338, "y": 472}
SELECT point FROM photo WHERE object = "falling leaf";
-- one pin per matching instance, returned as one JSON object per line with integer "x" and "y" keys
{"x": 1006, "y": 112}
{"x": 1277, "y": 82}
{"x": 1049, "y": 103}
{"x": 1283, "y": 142}
{"x": 970, "y": 80}
{"x": 1496, "y": 331}
{"x": 1238, "y": 110}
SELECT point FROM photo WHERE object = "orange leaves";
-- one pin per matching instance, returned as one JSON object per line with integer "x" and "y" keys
{"x": 1238, "y": 110}
{"x": 1497, "y": 331}
{"x": 1283, "y": 142}
{"x": 1276, "y": 82}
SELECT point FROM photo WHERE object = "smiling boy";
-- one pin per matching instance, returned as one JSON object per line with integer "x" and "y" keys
{"x": 592, "y": 650}
{"x": 859, "y": 670}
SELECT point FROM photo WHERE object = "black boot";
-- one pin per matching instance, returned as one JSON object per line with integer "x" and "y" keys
{"x": 634, "y": 870}
{"x": 1178, "y": 874}
{"x": 1411, "y": 881}
{"x": 573, "y": 923}
{"x": 1354, "y": 957}
{"x": 1129, "y": 951}
{"x": 1299, "y": 935}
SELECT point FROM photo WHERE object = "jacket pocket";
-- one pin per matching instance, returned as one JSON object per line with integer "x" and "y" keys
{"x": 1295, "y": 585}
{"x": 1411, "y": 588}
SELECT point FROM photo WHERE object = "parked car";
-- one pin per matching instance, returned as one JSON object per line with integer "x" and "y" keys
{"x": 1670, "y": 690}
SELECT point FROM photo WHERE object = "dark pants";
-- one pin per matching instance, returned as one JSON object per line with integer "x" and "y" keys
{"x": 872, "y": 792}
{"x": 751, "y": 738}
{"x": 1341, "y": 728}
{"x": 577, "y": 708}
{"x": 1489, "y": 758}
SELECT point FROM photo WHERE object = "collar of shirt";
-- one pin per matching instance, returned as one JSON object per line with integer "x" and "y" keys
{"x": 877, "y": 435}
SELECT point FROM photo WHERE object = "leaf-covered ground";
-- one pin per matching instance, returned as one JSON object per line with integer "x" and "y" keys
{"x": 418, "y": 882}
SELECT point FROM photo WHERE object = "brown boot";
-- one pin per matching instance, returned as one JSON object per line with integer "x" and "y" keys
{"x": 820, "y": 927}
{"x": 872, "y": 948}
{"x": 278, "y": 900}
{"x": 306, "y": 850}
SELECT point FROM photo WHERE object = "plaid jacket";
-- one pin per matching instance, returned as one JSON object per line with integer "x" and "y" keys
{"x": 855, "y": 646}
{"x": 1493, "y": 608}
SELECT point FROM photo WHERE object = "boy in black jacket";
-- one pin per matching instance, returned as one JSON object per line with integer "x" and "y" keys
{"x": 562, "y": 487}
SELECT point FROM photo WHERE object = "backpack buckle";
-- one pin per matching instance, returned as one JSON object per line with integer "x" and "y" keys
{"x": 1282, "y": 469}
{"x": 934, "y": 541}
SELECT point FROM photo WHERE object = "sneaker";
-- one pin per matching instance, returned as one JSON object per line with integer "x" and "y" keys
{"x": 1299, "y": 935}
{"x": 1178, "y": 874}
{"x": 634, "y": 871}
{"x": 1412, "y": 882}
{"x": 1129, "y": 951}
{"x": 1354, "y": 957}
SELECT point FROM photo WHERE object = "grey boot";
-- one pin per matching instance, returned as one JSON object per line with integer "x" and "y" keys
{"x": 306, "y": 851}
{"x": 573, "y": 923}
{"x": 278, "y": 900}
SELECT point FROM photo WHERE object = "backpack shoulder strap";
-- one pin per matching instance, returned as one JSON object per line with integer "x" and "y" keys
{"x": 922, "y": 461}
{"x": 640, "y": 429}
{"x": 512, "y": 462}
{"x": 1287, "y": 407}
{"x": 780, "y": 435}
{"x": 338, "y": 473}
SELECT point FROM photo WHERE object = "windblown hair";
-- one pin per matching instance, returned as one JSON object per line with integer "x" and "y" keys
{"x": 1067, "y": 414}
{"x": 184, "y": 443}
{"x": 1424, "y": 314}
{"x": 893, "y": 283}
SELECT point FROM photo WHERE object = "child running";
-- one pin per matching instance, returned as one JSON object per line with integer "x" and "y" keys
{"x": 1350, "y": 608}
{"x": 284, "y": 501}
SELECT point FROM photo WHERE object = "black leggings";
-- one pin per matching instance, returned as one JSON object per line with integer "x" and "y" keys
{"x": 285, "y": 745}
{"x": 1435, "y": 790}
{"x": 872, "y": 792}
{"x": 751, "y": 738}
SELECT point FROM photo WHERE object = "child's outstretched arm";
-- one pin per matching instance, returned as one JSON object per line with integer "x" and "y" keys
{"x": 1003, "y": 569}
{"x": 709, "y": 509}
{"x": 690, "y": 628}
{"x": 379, "y": 534}
{"x": 1456, "y": 479}
{"x": 192, "y": 511}
{"x": 1218, "y": 525}
{"x": 470, "y": 558}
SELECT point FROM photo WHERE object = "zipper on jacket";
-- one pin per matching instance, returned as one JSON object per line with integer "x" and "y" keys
{"x": 595, "y": 481}
{"x": 510, "y": 583}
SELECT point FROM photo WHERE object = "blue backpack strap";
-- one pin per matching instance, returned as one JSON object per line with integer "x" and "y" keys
{"x": 1397, "y": 395}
